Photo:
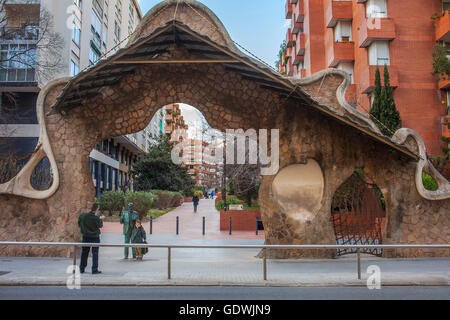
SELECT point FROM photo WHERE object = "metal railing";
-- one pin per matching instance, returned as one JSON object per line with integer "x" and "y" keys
{"x": 263, "y": 247}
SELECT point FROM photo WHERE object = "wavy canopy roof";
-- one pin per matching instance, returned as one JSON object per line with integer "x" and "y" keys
{"x": 149, "y": 49}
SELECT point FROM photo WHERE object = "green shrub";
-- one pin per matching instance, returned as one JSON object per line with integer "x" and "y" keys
{"x": 112, "y": 201}
{"x": 219, "y": 204}
{"x": 142, "y": 201}
{"x": 428, "y": 182}
{"x": 167, "y": 199}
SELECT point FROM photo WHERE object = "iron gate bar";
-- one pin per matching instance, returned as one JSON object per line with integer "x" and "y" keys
{"x": 357, "y": 215}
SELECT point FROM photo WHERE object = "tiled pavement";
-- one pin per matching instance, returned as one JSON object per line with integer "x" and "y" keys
{"x": 190, "y": 224}
{"x": 218, "y": 267}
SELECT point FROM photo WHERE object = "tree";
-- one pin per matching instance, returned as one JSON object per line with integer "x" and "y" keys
{"x": 389, "y": 115}
{"x": 375, "y": 110}
{"x": 384, "y": 111}
{"x": 157, "y": 171}
{"x": 244, "y": 179}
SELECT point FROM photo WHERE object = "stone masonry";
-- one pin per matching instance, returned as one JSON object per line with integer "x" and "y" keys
{"x": 228, "y": 102}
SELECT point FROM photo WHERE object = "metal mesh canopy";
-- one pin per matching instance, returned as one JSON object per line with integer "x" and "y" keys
{"x": 148, "y": 50}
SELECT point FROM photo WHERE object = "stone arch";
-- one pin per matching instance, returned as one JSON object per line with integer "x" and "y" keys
{"x": 183, "y": 57}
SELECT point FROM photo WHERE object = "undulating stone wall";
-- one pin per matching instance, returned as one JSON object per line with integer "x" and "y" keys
{"x": 228, "y": 102}
{"x": 306, "y": 133}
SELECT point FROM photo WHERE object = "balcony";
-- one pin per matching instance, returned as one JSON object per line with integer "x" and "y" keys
{"x": 290, "y": 39}
{"x": 299, "y": 11}
{"x": 299, "y": 50}
{"x": 367, "y": 79}
{"x": 338, "y": 11}
{"x": 289, "y": 9}
{"x": 297, "y": 27}
{"x": 341, "y": 52}
{"x": 25, "y": 33}
{"x": 373, "y": 29}
{"x": 443, "y": 27}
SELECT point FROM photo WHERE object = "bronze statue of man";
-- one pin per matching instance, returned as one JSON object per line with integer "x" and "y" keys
{"x": 128, "y": 219}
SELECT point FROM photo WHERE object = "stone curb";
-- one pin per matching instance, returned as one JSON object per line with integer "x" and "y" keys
{"x": 175, "y": 283}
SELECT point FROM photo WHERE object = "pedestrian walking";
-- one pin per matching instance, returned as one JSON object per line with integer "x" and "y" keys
{"x": 139, "y": 236}
{"x": 90, "y": 224}
{"x": 195, "y": 200}
{"x": 128, "y": 219}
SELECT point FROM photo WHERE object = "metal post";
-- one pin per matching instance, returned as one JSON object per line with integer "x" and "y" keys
{"x": 168, "y": 263}
{"x": 177, "y": 225}
{"x": 151, "y": 224}
{"x": 265, "y": 264}
{"x": 204, "y": 227}
{"x": 74, "y": 259}
{"x": 229, "y": 224}
{"x": 256, "y": 227}
{"x": 359, "y": 263}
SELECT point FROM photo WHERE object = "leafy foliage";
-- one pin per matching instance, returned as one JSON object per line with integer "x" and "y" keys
{"x": 157, "y": 171}
{"x": 142, "y": 201}
{"x": 428, "y": 182}
{"x": 167, "y": 199}
{"x": 112, "y": 201}
{"x": 441, "y": 64}
{"x": 282, "y": 50}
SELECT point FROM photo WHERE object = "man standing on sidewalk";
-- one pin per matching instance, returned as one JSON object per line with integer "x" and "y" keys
{"x": 90, "y": 224}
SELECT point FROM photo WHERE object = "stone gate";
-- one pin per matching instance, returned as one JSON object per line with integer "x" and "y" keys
{"x": 182, "y": 53}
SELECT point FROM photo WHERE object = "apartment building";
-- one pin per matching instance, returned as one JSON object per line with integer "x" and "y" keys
{"x": 358, "y": 35}
{"x": 175, "y": 128}
{"x": 89, "y": 30}
{"x": 199, "y": 157}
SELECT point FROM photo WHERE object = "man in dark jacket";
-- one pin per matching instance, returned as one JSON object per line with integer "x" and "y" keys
{"x": 90, "y": 225}
{"x": 195, "y": 200}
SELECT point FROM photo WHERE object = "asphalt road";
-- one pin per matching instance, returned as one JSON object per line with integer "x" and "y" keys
{"x": 223, "y": 293}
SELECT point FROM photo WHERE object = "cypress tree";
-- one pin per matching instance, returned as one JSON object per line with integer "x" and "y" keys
{"x": 389, "y": 114}
{"x": 375, "y": 110}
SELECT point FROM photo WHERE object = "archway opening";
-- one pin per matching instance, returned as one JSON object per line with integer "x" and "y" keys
{"x": 358, "y": 214}
{"x": 134, "y": 166}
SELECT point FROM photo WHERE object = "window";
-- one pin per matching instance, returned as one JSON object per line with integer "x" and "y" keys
{"x": 96, "y": 29}
{"x": 376, "y": 9}
{"x": 74, "y": 68}
{"x": 76, "y": 34}
{"x": 343, "y": 31}
{"x": 347, "y": 67}
{"x": 19, "y": 62}
{"x": 379, "y": 53}
{"x": 448, "y": 102}
{"x": 94, "y": 55}
{"x": 445, "y": 5}
{"x": 79, "y": 4}
{"x": 117, "y": 30}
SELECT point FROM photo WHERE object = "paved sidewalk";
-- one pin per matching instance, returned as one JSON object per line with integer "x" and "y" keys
{"x": 234, "y": 267}
{"x": 190, "y": 224}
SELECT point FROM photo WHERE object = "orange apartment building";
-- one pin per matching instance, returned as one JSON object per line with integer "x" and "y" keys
{"x": 199, "y": 156}
{"x": 174, "y": 122}
{"x": 358, "y": 35}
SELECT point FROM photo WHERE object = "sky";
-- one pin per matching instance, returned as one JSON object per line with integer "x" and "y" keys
{"x": 257, "y": 25}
